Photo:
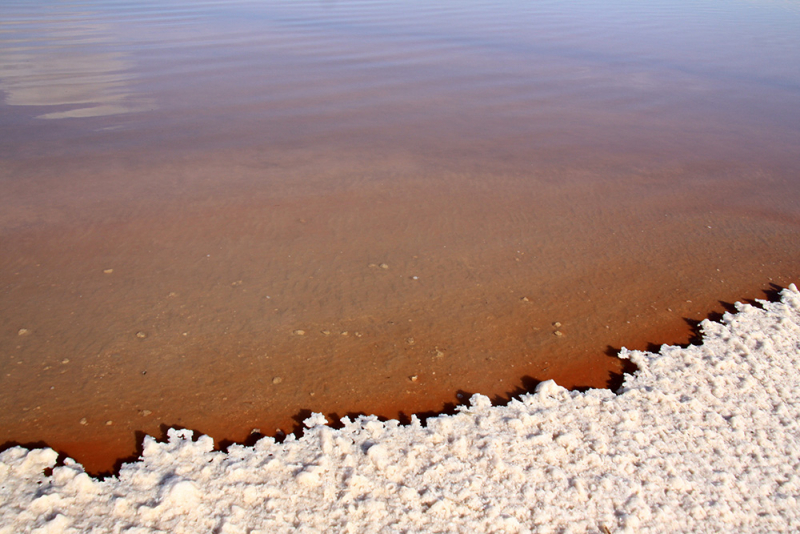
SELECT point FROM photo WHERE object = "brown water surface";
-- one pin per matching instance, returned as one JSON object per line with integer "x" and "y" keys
{"x": 224, "y": 216}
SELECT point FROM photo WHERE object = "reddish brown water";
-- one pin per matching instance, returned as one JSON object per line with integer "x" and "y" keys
{"x": 223, "y": 217}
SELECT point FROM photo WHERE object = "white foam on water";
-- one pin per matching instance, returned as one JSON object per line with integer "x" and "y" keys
{"x": 699, "y": 438}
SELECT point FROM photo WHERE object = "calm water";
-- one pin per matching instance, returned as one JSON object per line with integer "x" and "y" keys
{"x": 221, "y": 215}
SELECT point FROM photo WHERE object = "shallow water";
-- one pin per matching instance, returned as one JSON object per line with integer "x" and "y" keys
{"x": 187, "y": 188}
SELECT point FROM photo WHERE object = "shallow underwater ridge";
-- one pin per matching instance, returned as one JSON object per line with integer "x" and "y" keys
{"x": 699, "y": 438}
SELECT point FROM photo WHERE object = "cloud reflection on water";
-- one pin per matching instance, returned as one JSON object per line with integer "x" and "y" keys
{"x": 66, "y": 59}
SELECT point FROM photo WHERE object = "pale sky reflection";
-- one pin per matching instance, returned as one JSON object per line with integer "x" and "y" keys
{"x": 65, "y": 60}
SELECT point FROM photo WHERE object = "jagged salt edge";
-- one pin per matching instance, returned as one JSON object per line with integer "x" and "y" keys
{"x": 669, "y": 452}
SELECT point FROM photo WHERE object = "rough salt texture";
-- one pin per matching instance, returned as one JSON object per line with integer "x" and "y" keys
{"x": 704, "y": 438}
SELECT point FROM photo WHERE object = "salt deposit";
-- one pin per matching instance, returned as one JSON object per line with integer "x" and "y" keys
{"x": 704, "y": 438}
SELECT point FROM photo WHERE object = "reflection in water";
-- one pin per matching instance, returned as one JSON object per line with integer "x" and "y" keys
{"x": 65, "y": 60}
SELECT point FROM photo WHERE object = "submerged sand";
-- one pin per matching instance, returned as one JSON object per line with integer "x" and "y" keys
{"x": 181, "y": 309}
{"x": 699, "y": 438}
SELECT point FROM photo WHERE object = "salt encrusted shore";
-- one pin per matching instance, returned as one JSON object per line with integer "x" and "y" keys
{"x": 704, "y": 438}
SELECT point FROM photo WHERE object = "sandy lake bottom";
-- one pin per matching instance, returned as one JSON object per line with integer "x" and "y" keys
{"x": 231, "y": 312}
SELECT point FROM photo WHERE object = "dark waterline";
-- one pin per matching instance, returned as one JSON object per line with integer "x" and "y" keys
{"x": 480, "y": 195}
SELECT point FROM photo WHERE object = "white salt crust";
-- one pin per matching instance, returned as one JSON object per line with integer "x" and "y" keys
{"x": 704, "y": 438}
